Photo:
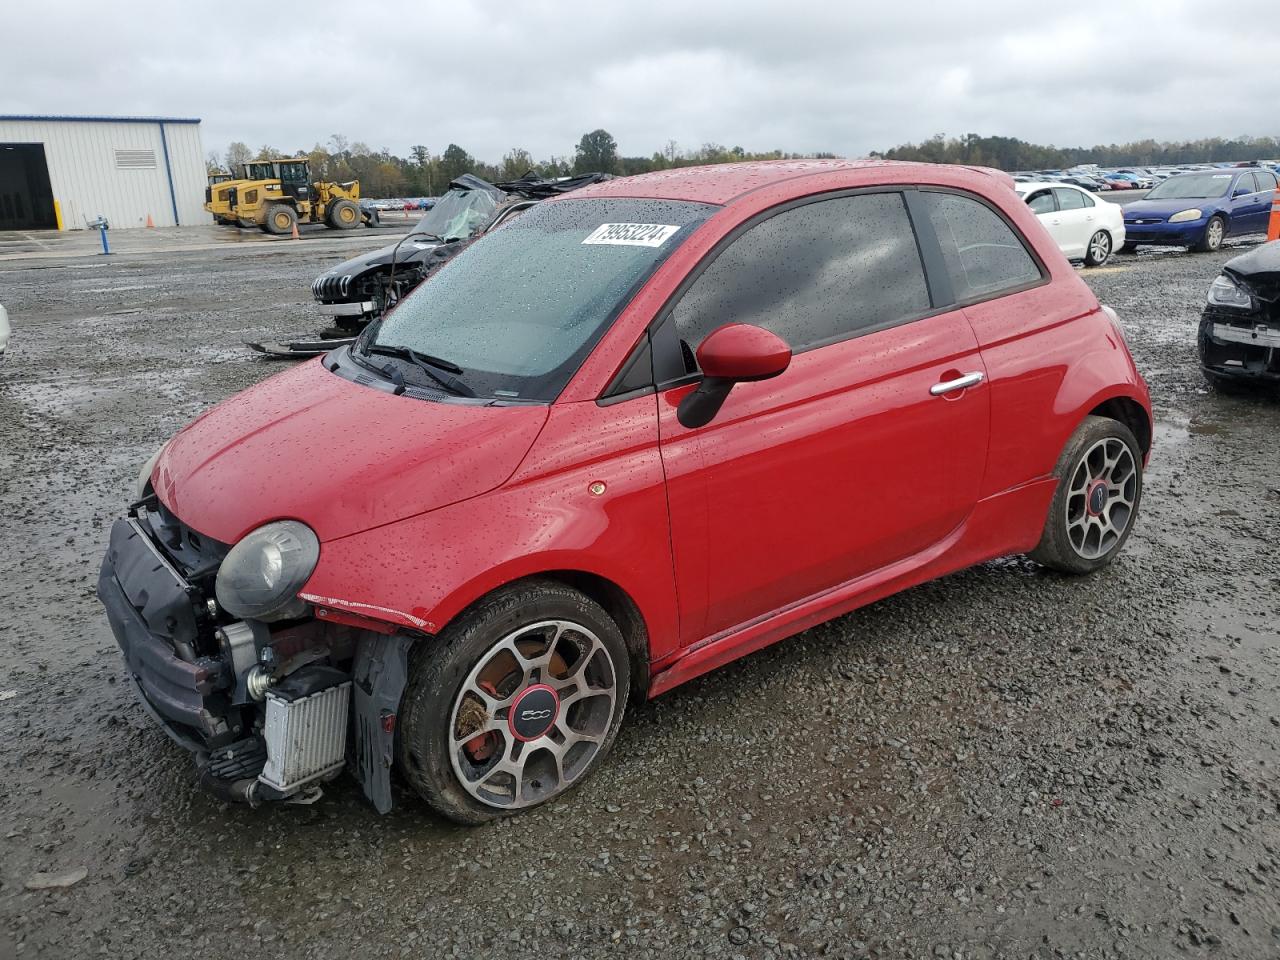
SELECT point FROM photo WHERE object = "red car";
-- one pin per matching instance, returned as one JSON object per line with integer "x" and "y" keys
{"x": 637, "y": 433}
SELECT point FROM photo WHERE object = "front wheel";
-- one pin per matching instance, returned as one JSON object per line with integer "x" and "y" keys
{"x": 343, "y": 215}
{"x": 1214, "y": 233}
{"x": 1099, "y": 250}
{"x": 1099, "y": 490}
{"x": 514, "y": 704}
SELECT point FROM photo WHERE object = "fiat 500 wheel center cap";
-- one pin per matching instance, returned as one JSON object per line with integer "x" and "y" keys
{"x": 533, "y": 713}
{"x": 1097, "y": 497}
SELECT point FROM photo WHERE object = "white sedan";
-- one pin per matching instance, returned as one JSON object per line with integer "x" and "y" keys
{"x": 1085, "y": 227}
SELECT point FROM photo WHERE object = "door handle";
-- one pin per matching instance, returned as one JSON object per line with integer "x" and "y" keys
{"x": 959, "y": 383}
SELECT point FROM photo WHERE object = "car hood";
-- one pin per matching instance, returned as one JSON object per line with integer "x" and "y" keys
{"x": 411, "y": 251}
{"x": 1260, "y": 267}
{"x": 1167, "y": 208}
{"x": 309, "y": 445}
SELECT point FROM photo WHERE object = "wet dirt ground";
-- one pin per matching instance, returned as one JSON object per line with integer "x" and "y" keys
{"x": 1005, "y": 763}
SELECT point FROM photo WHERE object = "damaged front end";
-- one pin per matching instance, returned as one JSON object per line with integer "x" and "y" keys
{"x": 272, "y": 705}
{"x": 1239, "y": 338}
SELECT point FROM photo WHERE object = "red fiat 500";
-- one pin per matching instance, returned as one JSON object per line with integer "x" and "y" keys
{"x": 624, "y": 439}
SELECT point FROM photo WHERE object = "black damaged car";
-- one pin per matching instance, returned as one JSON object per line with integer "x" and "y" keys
{"x": 1239, "y": 339}
{"x": 359, "y": 290}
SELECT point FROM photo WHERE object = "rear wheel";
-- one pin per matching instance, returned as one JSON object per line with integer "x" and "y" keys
{"x": 1215, "y": 231}
{"x": 1099, "y": 489}
{"x": 281, "y": 219}
{"x": 1098, "y": 251}
{"x": 514, "y": 704}
{"x": 1129, "y": 248}
{"x": 343, "y": 215}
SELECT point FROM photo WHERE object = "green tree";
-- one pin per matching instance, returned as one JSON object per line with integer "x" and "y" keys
{"x": 454, "y": 162}
{"x": 596, "y": 151}
{"x": 515, "y": 164}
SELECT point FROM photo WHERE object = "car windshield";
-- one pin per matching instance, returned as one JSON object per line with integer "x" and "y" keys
{"x": 1196, "y": 186}
{"x": 520, "y": 309}
{"x": 458, "y": 214}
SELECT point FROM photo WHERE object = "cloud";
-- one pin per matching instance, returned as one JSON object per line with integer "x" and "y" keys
{"x": 801, "y": 75}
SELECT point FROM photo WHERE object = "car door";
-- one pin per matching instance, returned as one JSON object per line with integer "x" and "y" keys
{"x": 1076, "y": 221}
{"x": 864, "y": 452}
{"x": 1246, "y": 206}
{"x": 1260, "y": 206}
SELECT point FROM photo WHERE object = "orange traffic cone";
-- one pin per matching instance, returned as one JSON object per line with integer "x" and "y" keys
{"x": 294, "y": 235}
{"x": 1273, "y": 227}
{"x": 150, "y": 222}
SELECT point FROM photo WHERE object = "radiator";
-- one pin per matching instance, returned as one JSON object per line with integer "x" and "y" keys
{"x": 306, "y": 738}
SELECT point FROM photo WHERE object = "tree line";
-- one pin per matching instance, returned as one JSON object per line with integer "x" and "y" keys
{"x": 426, "y": 174}
{"x": 1010, "y": 153}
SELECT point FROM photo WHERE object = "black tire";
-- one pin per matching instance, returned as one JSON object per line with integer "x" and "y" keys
{"x": 280, "y": 219}
{"x": 1098, "y": 250}
{"x": 1231, "y": 386}
{"x": 343, "y": 215}
{"x": 440, "y": 670}
{"x": 1211, "y": 240}
{"x": 1128, "y": 247}
{"x": 1058, "y": 548}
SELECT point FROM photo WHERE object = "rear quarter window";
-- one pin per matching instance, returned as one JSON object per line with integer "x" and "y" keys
{"x": 984, "y": 256}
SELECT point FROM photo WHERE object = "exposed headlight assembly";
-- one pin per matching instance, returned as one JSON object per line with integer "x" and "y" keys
{"x": 144, "y": 475}
{"x": 261, "y": 575}
{"x": 1184, "y": 216}
{"x": 1225, "y": 292}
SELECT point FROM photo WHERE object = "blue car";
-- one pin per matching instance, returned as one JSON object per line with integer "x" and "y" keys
{"x": 1201, "y": 209}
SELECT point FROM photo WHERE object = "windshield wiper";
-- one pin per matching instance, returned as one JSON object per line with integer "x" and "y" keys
{"x": 424, "y": 362}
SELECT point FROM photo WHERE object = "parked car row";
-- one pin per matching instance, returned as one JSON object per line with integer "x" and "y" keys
{"x": 1097, "y": 179}
{"x": 411, "y": 203}
{"x": 1199, "y": 210}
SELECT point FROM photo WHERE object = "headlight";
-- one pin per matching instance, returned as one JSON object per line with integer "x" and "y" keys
{"x": 261, "y": 576}
{"x": 144, "y": 475}
{"x": 1225, "y": 292}
{"x": 1182, "y": 216}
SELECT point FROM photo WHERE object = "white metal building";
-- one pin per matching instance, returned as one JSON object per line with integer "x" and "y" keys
{"x": 61, "y": 172}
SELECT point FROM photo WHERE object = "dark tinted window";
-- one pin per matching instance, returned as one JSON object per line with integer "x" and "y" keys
{"x": 812, "y": 274}
{"x": 1041, "y": 202}
{"x": 983, "y": 254}
{"x": 1069, "y": 199}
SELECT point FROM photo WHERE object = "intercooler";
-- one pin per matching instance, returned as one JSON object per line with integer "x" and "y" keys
{"x": 306, "y": 736}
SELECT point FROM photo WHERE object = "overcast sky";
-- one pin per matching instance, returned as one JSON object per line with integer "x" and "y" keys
{"x": 798, "y": 75}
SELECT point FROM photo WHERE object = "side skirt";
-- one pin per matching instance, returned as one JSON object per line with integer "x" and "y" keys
{"x": 1009, "y": 522}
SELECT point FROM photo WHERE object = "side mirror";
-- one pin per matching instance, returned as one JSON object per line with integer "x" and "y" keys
{"x": 1240, "y": 192}
{"x": 734, "y": 353}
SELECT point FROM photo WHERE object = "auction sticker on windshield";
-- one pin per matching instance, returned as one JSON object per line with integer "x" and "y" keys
{"x": 632, "y": 234}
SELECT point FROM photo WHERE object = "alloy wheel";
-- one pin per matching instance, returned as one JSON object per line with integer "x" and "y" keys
{"x": 532, "y": 714}
{"x": 1100, "y": 247}
{"x": 1214, "y": 234}
{"x": 1101, "y": 498}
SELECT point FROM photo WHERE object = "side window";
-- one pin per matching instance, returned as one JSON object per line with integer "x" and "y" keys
{"x": 1245, "y": 184}
{"x": 812, "y": 274}
{"x": 1069, "y": 199}
{"x": 1266, "y": 179}
{"x": 983, "y": 254}
{"x": 1042, "y": 202}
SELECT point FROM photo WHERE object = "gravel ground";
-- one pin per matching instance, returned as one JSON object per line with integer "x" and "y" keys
{"x": 1004, "y": 763}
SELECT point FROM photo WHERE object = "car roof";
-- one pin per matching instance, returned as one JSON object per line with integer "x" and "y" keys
{"x": 725, "y": 182}
{"x": 1045, "y": 185}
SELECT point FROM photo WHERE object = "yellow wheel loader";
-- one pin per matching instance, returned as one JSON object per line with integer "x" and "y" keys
{"x": 286, "y": 197}
{"x": 220, "y": 194}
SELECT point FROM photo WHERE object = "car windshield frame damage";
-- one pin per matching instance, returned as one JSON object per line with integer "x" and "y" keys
{"x": 509, "y": 285}
{"x": 460, "y": 213}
